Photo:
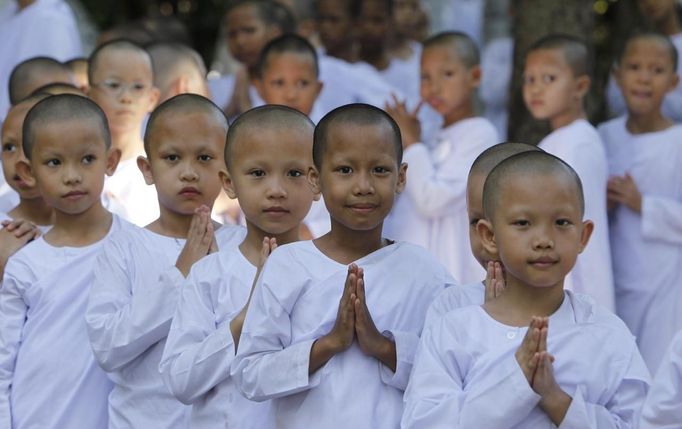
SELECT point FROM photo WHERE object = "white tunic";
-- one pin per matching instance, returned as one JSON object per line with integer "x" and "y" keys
{"x": 57, "y": 37}
{"x": 580, "y": 146}
{"x": 127, "y": 189}
{"x": 296, "y": 302}
{"x": 496, "y": 65}
{"x": 432, "y": 211}
{"x": 647, "y": 247}
{"x": 132, "y": 302}
{"x": 200, "y": 348}
{"x": 663, "y": 405}
{"x": 453, "y": 298}
{"x": 8, "y": 196}
{"x": 466, "y": 374}
{"x": 48, "y": 376}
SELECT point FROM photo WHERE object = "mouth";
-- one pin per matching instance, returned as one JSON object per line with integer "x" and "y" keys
{"x": 543, "y": 262}
{"x": 276, "y": 211}
{"x": 17, "y": 180}
{"x": 190, "y": 192}
{"x": 74, "y": 195}
{"x": 641, "y": 94}
{"x": 362, "y": 207}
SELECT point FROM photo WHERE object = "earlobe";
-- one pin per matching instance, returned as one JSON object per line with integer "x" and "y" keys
{"x": 228, "y": 185}
{"x": 487, "y": 235}
{"x": 583, "y": 86}
{"x": 146, "y": 169}
{"x": 588, "y": 228}
{"x": 113, "y": 158}
{"x": 402, "y": 178}
{"x": 25, "y": 172}
{"x": 154, "y": 97}
{"x": 475, "y": 74}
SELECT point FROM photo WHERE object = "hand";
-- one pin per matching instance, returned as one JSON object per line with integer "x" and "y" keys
{"x": 529, "y": 347}
{"x": 199, "y": 240}
{"x": 410, "y": 127}
{"x": 13, "y": 236}
{"x": 623, "y": 190}
{"x": 494, "y": 281}
{"x": 554, "y": 401}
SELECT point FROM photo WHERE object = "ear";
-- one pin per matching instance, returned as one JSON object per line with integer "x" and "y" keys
{"x": 402, "y": 178}
{"x": 320, "y": 85}
{"x": 146, "y": 168}
{"x": 228, "y": 184}
{"x": 154, "y": 95}
{"x": 583, "y": 84}
{"x": 314, "y": 180}
{"x": 588, "y": 227}
{"x": 25, "y": 172}
{"x": 487, "y": 234}
{"x": 675, "y": 82}
{"x": 113, "y": 157}
{"x": 475, "y": 76}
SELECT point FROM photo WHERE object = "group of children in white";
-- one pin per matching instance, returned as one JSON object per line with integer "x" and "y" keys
{"x": 182, "y": 322}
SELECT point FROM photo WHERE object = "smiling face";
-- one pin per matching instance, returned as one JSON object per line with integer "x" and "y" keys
{"x": 359, "y": 176}
{"x": 12, "y": 151}
{"x": 538, "y": 228}
{"x": 185, "y": 160}
{"x": 645, "y": 75}
{"x": 289, "y": 79}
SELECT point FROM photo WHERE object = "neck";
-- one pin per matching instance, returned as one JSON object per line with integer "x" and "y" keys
{"x": 129, "y": 143}
{"x": 463, "y": 112}
{"x": 647, "y": 123}
{"x": 171, "y": 224}
{"x": 35, "y": 210}
{"x": 347, "y": 52}
{"x": 346, "y": 245}
{"x": 377, "y": 58}
{"x": 253, "y": 242}
{"x": 573, "y": 114}
{"x": 520, "y": 302}
{"x": 82, "y": 229}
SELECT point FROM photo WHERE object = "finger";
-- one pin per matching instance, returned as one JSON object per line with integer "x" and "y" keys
{"x": 499, "y": 279}
{"x": 489, "y": 281}
{"x": 273, "y": 244}
{"x": 542, "y": 346}
{"x": 417, "y": 108}
{"x": 360, "y": 290}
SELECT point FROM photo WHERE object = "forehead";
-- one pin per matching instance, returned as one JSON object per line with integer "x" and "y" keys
{"x": 242, "y": 13}
{"x": 647, "y": 48}
{"x": 68, "y": 135}
{"x": 374, "y": 8}
{"x": 297, "y": 61}
{"x": 547, "y": 57}
{"x": 278, "y": 142}
{"x": 123, "y": 62}
{"x": 442, "y": 52}
{"x": 361, "y": 142}
{"x": 193, "y": 129}
{"x": 538, "y": 192}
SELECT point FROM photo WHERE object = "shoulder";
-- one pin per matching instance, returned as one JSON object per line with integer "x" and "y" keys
{"x": 597, "y": 321}
{"x": 420, "y": 261}
{"x": 230, "y": 235}
{"x": 608, "y": 128}
{"x": 457, "y": 296}
{"x": 477, "y": 129}
{"x": 222, "y": 268}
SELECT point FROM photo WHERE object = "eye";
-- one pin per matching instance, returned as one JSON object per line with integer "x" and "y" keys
{"x": 52, "y": 162}
{"x": 449, "y": 73}
{"x": 204, "y": 158}
{"x": 172, "y": 157}
{"x": 521, "y": 223}
{"x": 344, "y": 170}
{"x": 88, "y": 159}
{"x": 112, "y": 85}
{"x": 303, "y": 83}
{"x": 473, "y": 222}
{"x": 139, "y": 87}
{"x": 548, "y": 78}
{"x": 257, "y": 173}
{"x": 294, "y": 173}
{"x": 564, "y": 222}
{"x": 381, "y": 170}
{"x": 9, "y": 147}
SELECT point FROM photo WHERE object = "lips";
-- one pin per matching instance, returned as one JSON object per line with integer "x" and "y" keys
{"x": 544, "y": 262}
{"x": 20, "y": 183}
{"x": 190, "y": 192}
{"x": 74, "y": 195}
{"x": 362, "y": 207}
{"x": 275, "y": 211}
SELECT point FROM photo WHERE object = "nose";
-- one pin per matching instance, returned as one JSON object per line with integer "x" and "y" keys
{"x": 188, "y": 173}
{"x": 276, "y": 189}
{"x": 363, "y": 184}
{"x": 543, "y": 239}
{"x": 72, "y": 176}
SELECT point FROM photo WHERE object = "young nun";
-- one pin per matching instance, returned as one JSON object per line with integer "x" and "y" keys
{"x": 139, "y": 273}
{"x": 48, "y": 375}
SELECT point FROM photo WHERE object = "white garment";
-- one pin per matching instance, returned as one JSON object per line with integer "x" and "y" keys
{"x": 432, "y": 210}
{"x": 453, "y": 298}
{"x": 132, "y": 301}
{"x": 466, "y": 374}
{"x": 127, "y": 189}
{"x": 580, "y": 146}
{"x": 663, "y": 405}
{"x": 672, "y": 103}
{"x": 296, "y": 302}
{"x": 8, "y": 196}
{"x": 200, "y": 348}
{"x": 496, "y": 65}
{"x": 48, "y": 376}
{"x": 45, "y": 28}
{"x": 647, "y": 247}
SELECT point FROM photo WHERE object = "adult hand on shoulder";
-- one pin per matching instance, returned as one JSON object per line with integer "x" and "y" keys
{"x": 494, "y": 281}
{"x": 624, "y": 190}
{"x": 200, "y": 239}
{"x": 407, "y": 120}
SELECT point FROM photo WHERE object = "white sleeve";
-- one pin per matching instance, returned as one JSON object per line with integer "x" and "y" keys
{"x": 436, "y": 397}
{"x": 268, "y": 365}
{"x": 198, "y": 351}
{"x": 58, "y": 38}
{"x": 13, "y": 311}
{"x": 662, "y": 219}
{"x": 663, "y": 406}
{"x": 405, "y": 349}
{"x": 122, "y": 324}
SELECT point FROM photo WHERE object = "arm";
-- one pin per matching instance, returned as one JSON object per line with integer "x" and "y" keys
{"x": 662, "y": 219}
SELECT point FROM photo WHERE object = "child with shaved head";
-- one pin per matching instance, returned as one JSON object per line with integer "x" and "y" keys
{"x": 313, "y": 332}
{"x": 178, "y": 69}
{"x": 140, "y": 272}
{"x": 33, "y": 73}
{"x": 268, "y": 155}
{"x": 523, "y": 360}
{"x": 48, "y": 376}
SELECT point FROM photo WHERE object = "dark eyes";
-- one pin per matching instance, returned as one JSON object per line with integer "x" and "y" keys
{"x": 295, "y": 173}
{"x": 9, "y": 147}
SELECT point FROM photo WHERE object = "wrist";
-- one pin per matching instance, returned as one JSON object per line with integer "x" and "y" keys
{"x": 555, "y": 404}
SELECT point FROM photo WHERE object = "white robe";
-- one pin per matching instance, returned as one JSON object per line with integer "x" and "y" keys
{"x": 126, "y": 189}
{"x": 431, "y": 211}
{"x": 8, "y": 196}
{"x": 131, "y": 305}
{"x": 48, "y": 375}
{"x": 296, "y": 302}
{"x": 200, "y": 348}
{"x": 663, "y": 405}
{"x": 647, "y": 247}
{"x": 580, "y": 146}
{"x": 466, "y": 374}
{"x": 45, "y": 28}
{"x": 496, "y": 65}
{"x": 453, "y": 298}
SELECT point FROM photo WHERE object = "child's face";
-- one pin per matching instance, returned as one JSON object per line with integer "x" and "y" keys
{"x": 447, "y": 84}
{"x": 247, "y": 34}
{"x": 185, "y": 161}
{"x": 68, "y": 164}
{"x": 550, "y": 90}
{"x": 538, "y": 229}
{"x": 289, "y": 79}
{"x": 645, "y": 75}
{"x": 360, "y": 176}
{"x": 475, "y": 213}
{"x": 334, "y": 23}
{"x": 267, "y": 175}
{"x": 123, "y": 87}
{"x": 12, "y": 151}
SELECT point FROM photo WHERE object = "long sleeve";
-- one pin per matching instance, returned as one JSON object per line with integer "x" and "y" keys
{"x": 122, "y": 324}
{"x": 663, "y": 405}
{"x": 406, "y": 344}
{"x": 199, "y": 351}
{"x": 662, "y": 219}
{"x": 13, "y": 311}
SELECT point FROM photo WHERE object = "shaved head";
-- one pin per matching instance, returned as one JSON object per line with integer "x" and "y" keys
{"x": 119, "y": 44}
{"x": 183, "y": 104}
{"x": 573, "y": 49}
{"x": 271, "y": 116}
{"x": 172, "y": 61}
{"x": 532, "y": 163}
{"x": 59, "y": 108}
{"x": 33, "y": 73}
{"x": 489, "y": 158}
{"x": 463, "y": 45}
{"x": 58, "y": 88}
{"x": 657, "y": 37}
{"x": 287, "y": 43}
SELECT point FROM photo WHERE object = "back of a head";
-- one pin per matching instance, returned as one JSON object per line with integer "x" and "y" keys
{"x": 573, "y": 49}
{"x": 489, "y": 158}
{"x": 358, "y": 114}
{"x": 272, "y": 13}
{"x": 36, "y": 72}
{"x": 287, "y": 43}
{"x": 270, "y": 116}
{"x": 173, "y": 60}
{"x": 61, "y": 108}
{"x": 654, "y": 36}
{"x": 529, "y": 163}
{"x": 58, "y": 88}
{"x": 113, "y": 45}
{"x": 183, "y": 104}
{"x": 461, "y": 43}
